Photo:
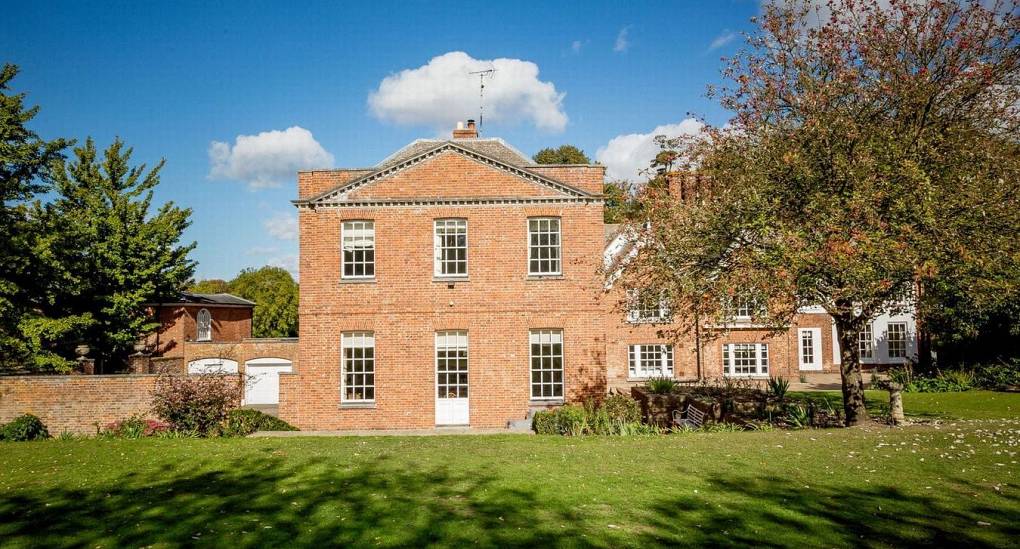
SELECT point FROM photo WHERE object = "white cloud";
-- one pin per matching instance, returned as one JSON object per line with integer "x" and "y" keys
{"x": 576, "y": 46}
{"x": 442, "y": 92}
{"x": 622, "y": 41}
{"x": 626, "y": 155}
{"x": 726, "y": 37}
{"x": 267, "y": 159}
{"x": 289, "y": 262}
{"x": 282, "y": 226}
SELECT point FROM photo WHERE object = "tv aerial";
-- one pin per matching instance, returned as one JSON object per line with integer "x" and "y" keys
{"x": 482, "y": 75}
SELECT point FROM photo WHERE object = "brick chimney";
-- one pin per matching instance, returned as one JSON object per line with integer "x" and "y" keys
{"x": 461, "y": 132}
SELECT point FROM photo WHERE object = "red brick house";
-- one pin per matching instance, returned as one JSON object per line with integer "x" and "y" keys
{"x": 198, "y": 318}
{"x": 459, "y": 283}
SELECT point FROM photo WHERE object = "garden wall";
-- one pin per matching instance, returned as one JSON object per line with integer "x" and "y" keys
{"x": 75, "y": 403}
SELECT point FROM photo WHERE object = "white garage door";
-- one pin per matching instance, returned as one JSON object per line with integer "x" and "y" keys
{"x": 212, "y": 366}
{"x": 263, "y": 383}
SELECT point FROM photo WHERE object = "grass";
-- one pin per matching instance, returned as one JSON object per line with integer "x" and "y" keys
{"x": 954, "y": 484}
{"x": 944, "y": 406}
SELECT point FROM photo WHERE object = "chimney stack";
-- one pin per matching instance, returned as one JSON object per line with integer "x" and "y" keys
{"x": 462, "y": 133}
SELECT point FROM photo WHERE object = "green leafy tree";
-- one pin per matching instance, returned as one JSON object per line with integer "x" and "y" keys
{"x": 24, "y": 159}
{"x": 276, "y": 296}
{"x": 565, "y": 154}
{"x": 620, "y": 203}
{"x": 210, "y": 286}
{"x": 870, "y": 157}
{"x": 108, "y": 251}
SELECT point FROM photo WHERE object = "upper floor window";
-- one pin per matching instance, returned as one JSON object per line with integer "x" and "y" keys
{"x": 650, "y": 360}
{"x": 204, "y": 325}
{"x": 896, "y": 335}
{"x": 865, "y": 345}
{"x": 742, "y": 309}
{"x": 450, "y": 247}
{"x": 745, "y": 359}
{"x": 647, "y": 306}
{"x": 358, "y": 242}
{"x": 358, "y": 380}
{"x": 544, "y": 246}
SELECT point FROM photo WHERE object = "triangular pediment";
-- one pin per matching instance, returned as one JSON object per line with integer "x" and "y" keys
{"x": 445, "y": 172}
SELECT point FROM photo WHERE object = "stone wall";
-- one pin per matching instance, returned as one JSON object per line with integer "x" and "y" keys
{"x": 76, "y": 403}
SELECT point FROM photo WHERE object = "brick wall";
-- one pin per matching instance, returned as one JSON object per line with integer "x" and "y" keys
{"x": 75, "y": 403}
{"x": 243, "y": 351}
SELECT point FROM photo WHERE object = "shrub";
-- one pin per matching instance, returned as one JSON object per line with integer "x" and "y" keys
{"x": 798, "y": 417}
{"x": 998, "y": 376}
{"x": 135, "y": 427}
{"x": 622, "y": 409}
{"x": 662, "y": 385}
{"x": 243, "y": 422}
{"x": 24, "y": 428}
{"x": 544, "y": 423}
{"x": 196, "y": 403}
{"x": 778, "y": 387}
{"x": 571, "y": 420}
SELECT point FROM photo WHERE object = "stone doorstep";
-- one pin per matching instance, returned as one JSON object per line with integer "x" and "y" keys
{"x": 437, "y": 431}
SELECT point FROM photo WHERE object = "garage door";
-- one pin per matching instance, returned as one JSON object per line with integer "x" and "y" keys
{"x": 212, "y": 366}
{"x": 263, "y": 383}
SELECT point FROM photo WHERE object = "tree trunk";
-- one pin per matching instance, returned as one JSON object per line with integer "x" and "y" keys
{"x": 851, "y": 376}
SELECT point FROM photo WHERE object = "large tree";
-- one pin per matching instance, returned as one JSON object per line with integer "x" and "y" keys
{"x": 276, "y": 300}
{"x": 109, "y": 252}
{"x": 564, "y": 154}
{"x": 24, "y": 161}
{"x": 871, "y": 155}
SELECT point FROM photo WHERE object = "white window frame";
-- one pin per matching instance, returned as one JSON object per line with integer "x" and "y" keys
{"x": 866, "y": 342}
{"x": 645, "y": 360}
{"x": 355, "y": 231}
{"x": 901, "y": 341}
{"x": 203, "y": 325}
{"x": 541, "y": 337}
{"x": 535, "y": 248}
{"x": 453, "y": 341}
{"x": 809, "y": 359}
{"x": 357, "y": 340}
{"x": 637, "y": 315}
{"x": 440, "y": 247}
{"x": 761, "y": 359}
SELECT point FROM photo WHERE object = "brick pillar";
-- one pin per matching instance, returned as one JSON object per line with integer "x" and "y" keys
{"x": 86, "y": 366}
{"x": 139, "y": 363}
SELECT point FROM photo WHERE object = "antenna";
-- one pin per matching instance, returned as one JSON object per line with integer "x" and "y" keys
{"x": 482, "y": 75}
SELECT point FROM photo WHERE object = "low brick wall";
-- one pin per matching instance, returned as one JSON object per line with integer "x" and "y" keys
{"x": 75, "y": 403}
{"x": 244, "y": 350}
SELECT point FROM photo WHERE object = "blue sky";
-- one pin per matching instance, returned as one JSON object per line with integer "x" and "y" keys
{"x": 172, "y": 78}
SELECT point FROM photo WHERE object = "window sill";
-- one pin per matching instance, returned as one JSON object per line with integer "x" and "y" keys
{"x": 545, "y": 277}
{"x": 645, "y": 379}
{"x": 650, "y": 321}
{"x": 357, "y": 405}
{"x": 357, "y": 280}
{"x": 449, "y": 279}
{"x": 545, "y": 402}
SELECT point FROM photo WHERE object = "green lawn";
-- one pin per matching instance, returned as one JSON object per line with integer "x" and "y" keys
{"x": 945, "y": 406}
{"x": 954, "y": 484}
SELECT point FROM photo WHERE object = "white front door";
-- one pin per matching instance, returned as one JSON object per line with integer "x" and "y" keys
{"x": 809, "y": 348}
{"x": 262, "y": 385}
{"x": 452, "y": 378}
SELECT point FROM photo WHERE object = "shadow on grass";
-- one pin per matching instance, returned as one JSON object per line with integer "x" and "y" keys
{"x": 261, "y": 501}
{"x": 265, "y": 501}
{"x": 773, "y": 512}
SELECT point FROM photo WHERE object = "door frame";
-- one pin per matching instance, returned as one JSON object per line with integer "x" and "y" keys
{"x": 816, "y": 341}
{"x": 435, "y": 386}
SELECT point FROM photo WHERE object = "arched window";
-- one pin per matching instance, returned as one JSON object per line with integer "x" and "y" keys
{"x": 204, "y": 325}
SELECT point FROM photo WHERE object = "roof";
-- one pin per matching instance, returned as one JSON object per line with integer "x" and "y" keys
{"x": 189, "y": 298}
{"x": 492, "y": 147}
{"x": 480, "y": 149}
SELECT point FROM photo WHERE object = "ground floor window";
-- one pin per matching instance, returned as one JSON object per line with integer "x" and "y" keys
{"x": 546, "y": 364}
{"x": 745, "y": 359}
{"x": 358, "y": 380}
{"x": 452, "y": 364}
{"x": 651, "y": 360}
{"x": 896, "y": 333}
